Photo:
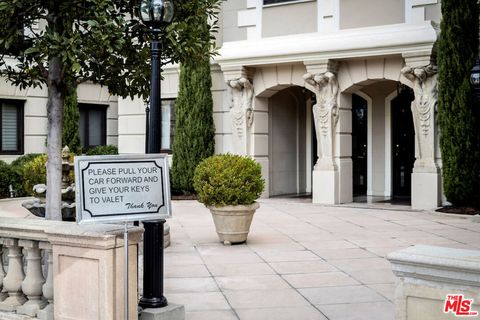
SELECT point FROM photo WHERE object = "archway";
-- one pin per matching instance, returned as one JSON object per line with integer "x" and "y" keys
{"x": 290, "y": 142}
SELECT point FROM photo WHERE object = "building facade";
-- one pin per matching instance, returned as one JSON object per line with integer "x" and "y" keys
{"x": 334, "y": 98}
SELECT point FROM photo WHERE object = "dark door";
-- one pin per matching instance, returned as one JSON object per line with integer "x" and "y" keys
{"x": 359, "y": 145}
{"x": 403, "y": 144}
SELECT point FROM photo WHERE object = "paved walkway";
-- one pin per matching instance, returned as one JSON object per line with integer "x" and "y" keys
{"x": 302, "y": 261}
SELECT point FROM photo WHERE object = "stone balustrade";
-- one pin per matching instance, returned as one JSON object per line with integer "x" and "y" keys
{"x": 428, "y": 276}
{"x": 81, "y": 276}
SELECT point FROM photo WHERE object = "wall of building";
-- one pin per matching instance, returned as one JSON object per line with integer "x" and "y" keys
{"x": 231, "y": 29}
{"x": 367, "y": 13}
{"x": 35, "y": 113}
{"x": 294, "y": 18}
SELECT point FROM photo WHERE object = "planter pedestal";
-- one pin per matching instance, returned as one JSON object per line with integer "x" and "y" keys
{"x": 233, "y": 222}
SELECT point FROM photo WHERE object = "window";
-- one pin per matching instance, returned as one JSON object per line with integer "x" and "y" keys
{"x": 93, "y": 125}
{"x": 11, "y": 126}
{"x": 267, "y": 2}
{"x": 168, "y": 124}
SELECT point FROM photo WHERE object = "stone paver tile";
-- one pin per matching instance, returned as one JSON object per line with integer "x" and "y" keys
{"x": 263, "y": 282}
{"x": 343, "y": 253}
{"x": 198, "y": 301}
{"x": 302, "y": 267}
{"x": 324, "y": 279}
{"x": 275, "y": 247}
{"x": 323, "y": 245}
{"x": 319, "y": 236}
{"x": 177, "y": 285}
{"x": 265, "y": 299}
{"x": 232, "y": 258}
{"x": 360, "y": 264}
{"x": 384, "y": 251}
{"x": 304, "y": 255}
{"x": 416, "y": 222}
{"x": 373, "y": 276}
{"x": 379, "y": 242}
{"x": 386, "y": 290}
{"x": 182, "y": 258}
{"x": 220, "y": 249}
{"x": 240, "y": 269}
{"x": 345, "y": 294}
{"x": 211, "y": 315}
{"x": 299, "y": 313}
{"x": 187, "y": 271}
{"x": 360, "y": 311}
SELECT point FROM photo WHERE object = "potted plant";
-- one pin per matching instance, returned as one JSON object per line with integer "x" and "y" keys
{"x": 229, "y": 185}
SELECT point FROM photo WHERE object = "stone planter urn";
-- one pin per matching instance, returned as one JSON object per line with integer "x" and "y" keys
{"x": 228, "y": 185}
{"x": 232, "y": 223}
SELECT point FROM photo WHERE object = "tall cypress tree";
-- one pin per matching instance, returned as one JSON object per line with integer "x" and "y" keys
{"x": 71, "y": 121}
{"x": 194, "y": 127}
{"x": 457, "y": 51}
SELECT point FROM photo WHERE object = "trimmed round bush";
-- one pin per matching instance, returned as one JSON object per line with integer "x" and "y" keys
{"x": 228, "y": 179}
{"x": 102, "y": 151}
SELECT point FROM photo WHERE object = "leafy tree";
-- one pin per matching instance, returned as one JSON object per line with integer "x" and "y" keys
{"x": 71, "y": 122}
{"x": 457, "y": 51}
{"x": 100, "y": 41}
{"x": 194, "y": 128}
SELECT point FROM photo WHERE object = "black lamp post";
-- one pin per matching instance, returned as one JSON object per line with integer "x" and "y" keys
{"x": 157, "y": 14}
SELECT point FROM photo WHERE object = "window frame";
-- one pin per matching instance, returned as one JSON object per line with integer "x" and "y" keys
{"x": 86, "y": 107}
{"x": 20, "y": 105}
{"x": 283, "y": 2}
{"x": 172, "y": 137}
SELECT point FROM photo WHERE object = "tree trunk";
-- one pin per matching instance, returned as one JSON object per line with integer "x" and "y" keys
{"x": 56, "y": 96}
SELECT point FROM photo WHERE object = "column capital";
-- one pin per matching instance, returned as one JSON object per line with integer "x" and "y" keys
{"x": 238, "y": 72}
{"x": 419, "y": 59}
{"x": 321, "y": 66}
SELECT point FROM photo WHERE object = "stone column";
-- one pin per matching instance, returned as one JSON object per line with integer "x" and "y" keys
{"x": 322, "y": 80}
{"x": 34, "y": 280}
{"x": 3, "y": 294}
{"x": 241, "y": 92}
{"x": 426, "y": 176}
{"x": 47, "y": 313}
{"x": 14, "y": 278}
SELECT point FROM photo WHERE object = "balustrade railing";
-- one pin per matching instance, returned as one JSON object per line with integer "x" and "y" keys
{"x": 40, "y": 263}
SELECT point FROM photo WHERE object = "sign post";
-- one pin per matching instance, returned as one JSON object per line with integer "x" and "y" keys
{"x": 119, "y": 189}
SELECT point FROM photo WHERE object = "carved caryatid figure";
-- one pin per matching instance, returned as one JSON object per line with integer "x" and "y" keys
{"x": 424, "y": 107}
{"x": 241, "y": 110}
{"x": 325, "y": 114}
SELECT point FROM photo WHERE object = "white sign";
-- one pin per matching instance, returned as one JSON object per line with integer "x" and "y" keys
{"x": 122, "y": 188}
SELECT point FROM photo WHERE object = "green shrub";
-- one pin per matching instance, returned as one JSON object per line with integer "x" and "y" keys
{"x": 18, "y": 166}
{"x": 228, "y": 180}
{"x": 459, "y": 139}
{"x": 103, "y": 150}
{"x": 194, "y": 128}
{"x": 71, "y": 120}
{"x": 35, "y": 172}
{"x": 22, "y": 160}
{"x": 8, "y": 176}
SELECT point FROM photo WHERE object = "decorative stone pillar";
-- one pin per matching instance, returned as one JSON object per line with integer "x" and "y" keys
{"x": 47, "y": 313}
{"x": 322, "y": 80}
{"x": 34, "y": 280}
{"x": 426, "y": 176}
{"x": 14, "y": 278}
{"x": 241, "y": 108}
{"x": 3, "y": 294}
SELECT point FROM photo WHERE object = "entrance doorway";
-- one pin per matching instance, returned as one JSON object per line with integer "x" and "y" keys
{"x": 290, "y": 145}
{"x": 403, "y": 144}
{"x": 359, "y": 145}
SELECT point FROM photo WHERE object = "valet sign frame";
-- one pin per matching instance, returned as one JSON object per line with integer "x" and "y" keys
{"x": 112, "y": 189}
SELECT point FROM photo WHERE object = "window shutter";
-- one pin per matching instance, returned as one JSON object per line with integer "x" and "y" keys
{"x": 9, "y": 127}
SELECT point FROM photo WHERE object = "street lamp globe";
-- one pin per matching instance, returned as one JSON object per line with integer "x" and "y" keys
{"x": 157, "y": 13}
